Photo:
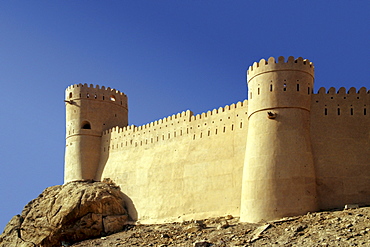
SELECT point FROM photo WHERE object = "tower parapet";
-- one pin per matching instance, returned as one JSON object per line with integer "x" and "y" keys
{"x": 89, "y": 111}
{"x": 273, "y": 84}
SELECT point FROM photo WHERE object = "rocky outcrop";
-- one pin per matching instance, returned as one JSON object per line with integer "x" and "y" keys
{"x": 65, "y": 214}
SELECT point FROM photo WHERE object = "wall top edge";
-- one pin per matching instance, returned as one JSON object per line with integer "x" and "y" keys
{"x": 280, "y": 64}
{"x": 85, "y": 86}
{"x": 188, "y": 115}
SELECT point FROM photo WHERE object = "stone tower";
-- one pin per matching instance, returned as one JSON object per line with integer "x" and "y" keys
{"x": 89, "y": 111}
{"x": 279, "y": 176}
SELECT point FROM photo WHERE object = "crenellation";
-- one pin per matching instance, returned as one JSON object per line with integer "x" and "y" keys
{"x": 284, "y": 140}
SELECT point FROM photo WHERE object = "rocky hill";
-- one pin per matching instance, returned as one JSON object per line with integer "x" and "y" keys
{"x": 85, "y": 214}
{"x": 66, "y": 214}
{"x": 336, "y": 228}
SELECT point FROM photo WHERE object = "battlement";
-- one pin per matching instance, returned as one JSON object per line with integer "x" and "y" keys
{"x": 85, "y": 91}
{"x": 271, "y": 65}
{"x": 342, "y": 91}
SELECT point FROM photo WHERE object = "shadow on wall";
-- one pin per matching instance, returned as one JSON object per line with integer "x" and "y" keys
{"x": 130, "y": 207}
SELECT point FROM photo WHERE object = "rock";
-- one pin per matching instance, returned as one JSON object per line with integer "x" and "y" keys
{"x": 351, "y": 206}
{"x": 223, "y": 224}
{"x": 259, "y": 230}
{"x": 65, "y": 214}
{"x": 202, "y": 243}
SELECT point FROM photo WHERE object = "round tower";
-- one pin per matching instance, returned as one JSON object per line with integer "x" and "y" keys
{"x": 278, "y": 176}
{"x": 89, "y": 111}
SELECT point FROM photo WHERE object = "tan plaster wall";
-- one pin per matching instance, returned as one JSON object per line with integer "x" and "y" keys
{"x": 181, "y": 167}
{"x": 341, "y": 146}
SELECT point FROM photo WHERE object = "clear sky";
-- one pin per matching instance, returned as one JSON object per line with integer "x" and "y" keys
{"x": 166, "y": 55}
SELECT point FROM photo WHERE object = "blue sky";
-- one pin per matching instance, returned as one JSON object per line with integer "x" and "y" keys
{"x": 167, "y": 56}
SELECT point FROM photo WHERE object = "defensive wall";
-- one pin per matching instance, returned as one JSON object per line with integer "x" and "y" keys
{"x": 181, "y": 167}
{"x": 284, "y": 151}
{"x": 340, "y": 135}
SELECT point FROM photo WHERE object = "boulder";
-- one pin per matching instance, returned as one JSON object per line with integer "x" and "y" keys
{"x": 69, "y": 213}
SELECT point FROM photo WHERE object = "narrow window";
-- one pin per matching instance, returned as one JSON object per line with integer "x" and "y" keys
{"x": 326, "y": 111}
{"x": 95, "y": 96}
{"x": 270, "y": 87}
{"x": 209, "y": 132}
{"x": 251, "y": 95}
{"x": 103, "y": 97}
{"x": 297, "y": 87}
{"x": 194, "y": 137}
{"x": 364, "y": 111}
{"x": 87, "y": 95}
{"x": 232, "y": 127}
{"x": 224, "y": 129}
{"x": 85, "y": 125}
{"x": 112, "y": 98}
{"x": 241, "y": 124}
{"x": 309, "y": 89}
{"x": 70, "y": 95}
{"x": 338, "y": 111}
{"x": 201, "y": 134}
{"x": 351, "y": 111}
{"x": 284, "y": 87}
{"x": 258, "y": 91}
{"x": 216, "y": 131}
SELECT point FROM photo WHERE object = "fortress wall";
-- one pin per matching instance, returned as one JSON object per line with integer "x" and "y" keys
{"x": 181, "y": 167}
{"x": 340, "y": 131}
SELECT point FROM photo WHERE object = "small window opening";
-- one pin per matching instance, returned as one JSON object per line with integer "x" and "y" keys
{"x": 112, "y": 98}
{"x": 338, "y": 111}
{"x": 309, "y": 90}
{"x": 241, "y": 124}
{"x": 251, "y": 95}
{"x": 70, "y": 95}
{"x": 270, "y": 87}
{"x": 95, "y": 96}
{"x": 297, "y": 87}
{"x": 224, "y": 129}
{"x": 284, "y": 87}
{"x": 364, "y": 111}
{"x": 258, "y": 91}
{"x": 85, "y": 125}
{"x": 87, "y": 95}
{"x": 103, "y": 97}
{"x": 351, "y": 111}
{"x": 326, "y": 111}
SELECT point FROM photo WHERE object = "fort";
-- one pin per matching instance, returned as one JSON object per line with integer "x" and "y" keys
{"x": 285, "y": 151}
